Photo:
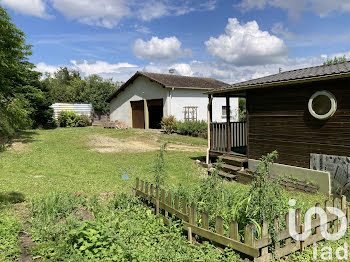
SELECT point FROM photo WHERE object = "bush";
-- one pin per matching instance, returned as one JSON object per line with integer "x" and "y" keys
{"x": 169, "y": 124}
{"x": 72, "y": 119}
{"x": 193, "y": 128}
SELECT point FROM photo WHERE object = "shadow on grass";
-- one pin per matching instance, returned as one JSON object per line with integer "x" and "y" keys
{"x": 11, "y": 198}
{"x": 25, "y": 137}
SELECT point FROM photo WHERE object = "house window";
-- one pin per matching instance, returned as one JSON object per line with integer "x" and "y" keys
{"x": 322, "y": 105}
{"x": 224, "y": 111}
{"x": 190, "y": 113}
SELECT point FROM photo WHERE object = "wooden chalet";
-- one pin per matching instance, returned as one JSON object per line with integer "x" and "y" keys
{"x": 299, "y": 113}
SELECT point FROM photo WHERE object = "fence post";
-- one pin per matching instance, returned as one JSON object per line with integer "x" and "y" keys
{"x": 137, "y": 183}
{"x": 264, "y": 234}
{"x": 318, "y": 229}
{"x": 189, "y": 233}
{"x": 233, "y": 231}
{"x": 288, "y": 240}
{"x": 157, "y": 206}
{"x": 219, "y": 225}
{"x": 151, "y": 190}
{"x": 327, "y": 204}
{"x": 142, "y": 184}
{"x": 300, "y": 227}
{"x": 249, "y": 237}
{"x": 193, "y": 214}
{"x": 276, "y": 224}
{"x": 184, "y": 206}
{"x": 336, "y": 222}
{"x": 176, "y": 205}
{"x": 205, "y": 221}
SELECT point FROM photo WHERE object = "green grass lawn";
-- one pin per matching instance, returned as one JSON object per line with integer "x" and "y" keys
{"x": 92, "y": 161}
{"x": 41, "y": 161}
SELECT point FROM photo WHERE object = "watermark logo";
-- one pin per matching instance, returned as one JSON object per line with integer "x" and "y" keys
{"x": 323, "y": 223}
{"x": 341, "y": 253}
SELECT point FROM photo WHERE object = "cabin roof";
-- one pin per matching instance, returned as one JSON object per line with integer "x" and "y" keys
{"x": 315, "y": 73}
{"x": 174, "y": 81}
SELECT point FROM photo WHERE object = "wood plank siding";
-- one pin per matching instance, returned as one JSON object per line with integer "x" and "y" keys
{"x": 279, "y": 120}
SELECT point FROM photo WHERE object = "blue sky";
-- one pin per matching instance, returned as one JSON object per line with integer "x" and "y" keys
{"x": 229, "y": 40}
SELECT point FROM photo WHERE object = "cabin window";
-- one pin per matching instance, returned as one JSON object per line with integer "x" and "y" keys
{"x": 322, "y": 105}
{"x": 224, "y": 111}
{"x": 190, "y": 113}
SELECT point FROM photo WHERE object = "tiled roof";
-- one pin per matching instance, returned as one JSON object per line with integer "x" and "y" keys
{"x": 293, "y": 75}
{"x": 185, "y": 81}
{"x": 175, "y": 81}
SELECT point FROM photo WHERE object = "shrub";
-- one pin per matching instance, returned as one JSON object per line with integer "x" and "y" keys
{"x": 72, "y": 119}
{"x": 169, "y": 124}
{"x": 193, "y": 128}
{"x": 83, "y": 120}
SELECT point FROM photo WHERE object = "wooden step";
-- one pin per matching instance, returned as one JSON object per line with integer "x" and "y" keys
{"x": 224, "y": 174}
{"x": 230, "y": 168}
{"x": 234, "y": 160}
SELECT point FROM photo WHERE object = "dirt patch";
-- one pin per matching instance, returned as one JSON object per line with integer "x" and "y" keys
{"x": 26, "y": 242}
{"x": 83, "y": 214}
{"x": 105, "y": 144}
{"x": 19, "y": 146}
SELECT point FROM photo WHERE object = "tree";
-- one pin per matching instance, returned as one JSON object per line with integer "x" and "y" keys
{"x": 67, "y": 86}
{"x": 336, "y": 60}
{"x": 21, "y": 93}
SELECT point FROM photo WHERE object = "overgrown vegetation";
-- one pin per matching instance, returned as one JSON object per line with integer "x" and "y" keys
{"x": 68, "y": 227}
{"x": 160, "y": 173}
{"x": 10, "y": 226}
{"x": 336, "y": 60}
{"x": 72, "y": 119}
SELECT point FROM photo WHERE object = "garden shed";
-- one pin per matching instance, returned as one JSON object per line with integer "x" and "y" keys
{"x": 143, "y": 100}
{"x": 304, "y": 114}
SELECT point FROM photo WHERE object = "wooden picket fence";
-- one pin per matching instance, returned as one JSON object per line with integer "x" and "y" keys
{"x": 258, "y": 249}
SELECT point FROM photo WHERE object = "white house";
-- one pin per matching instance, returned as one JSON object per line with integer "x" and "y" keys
{"x": 147, "y": 97}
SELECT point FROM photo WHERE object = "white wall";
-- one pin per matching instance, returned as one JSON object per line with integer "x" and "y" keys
{"x": 181, "y": 98}
{"x": 142, "y": 88}
{"x": 174, "y": 101}
{"x": 218, "y": 103}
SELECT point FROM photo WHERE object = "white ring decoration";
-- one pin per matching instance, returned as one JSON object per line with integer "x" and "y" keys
{"x": 333, "y": 105}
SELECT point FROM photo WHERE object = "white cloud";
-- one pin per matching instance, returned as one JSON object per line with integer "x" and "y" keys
{"x": 106, "y": 13}
{"x": 183, "y": 69}
{"x": 27, "y": 7}
{"x": 99, "y": 67}
{"x": 44, "y": 68}
{"x": 166, "y": 49}
{"x": 296, "y": 7}
{"x": 246, "y": 44}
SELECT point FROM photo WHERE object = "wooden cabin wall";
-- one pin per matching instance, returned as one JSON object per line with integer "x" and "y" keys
{"x": 279, "y": 119}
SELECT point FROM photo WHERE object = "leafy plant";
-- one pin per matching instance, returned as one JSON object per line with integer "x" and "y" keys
{"x": 160, "y": 173}
{"x": 72, "y": 119}
{"x": 193, "y": 128}
{"x": 266, "y": 200}
{"x": 169, "y": 124}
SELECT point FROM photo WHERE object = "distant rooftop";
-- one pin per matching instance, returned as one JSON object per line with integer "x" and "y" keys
{"x": 175, "y": 81}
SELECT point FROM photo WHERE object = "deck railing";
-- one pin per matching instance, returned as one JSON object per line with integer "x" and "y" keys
{"x": 219, "y": 136}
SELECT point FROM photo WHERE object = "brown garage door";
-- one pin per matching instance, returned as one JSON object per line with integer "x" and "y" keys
{"x": 138, "y": 114}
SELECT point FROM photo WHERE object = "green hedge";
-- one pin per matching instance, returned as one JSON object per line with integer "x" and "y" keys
{"x": 189, "y": 128}
{"x": 72, "y": 119}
